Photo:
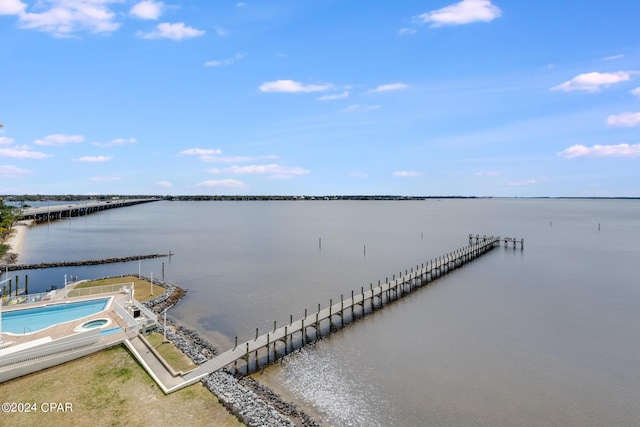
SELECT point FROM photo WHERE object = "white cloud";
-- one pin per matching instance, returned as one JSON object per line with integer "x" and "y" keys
{"x": 218, "y": 63}
{"x": 333, "y": 97}
{"x": 620, "y": 150}
{"x": 390, "y": 87}
{"x": 241, "y": 4}
{"x": 407, "y": 174}
{"x": 177, "y": 31}
{"x": 59, "y": 139}
{"x": 5, "y": 141}
{"x": 224, "y": 62}
{"x": 65, "y": 17}
{"x": 115, "y": 142}
{"x": 522, "y": 183}
{"x": 593, "y": 82}
{"x": 624, "y": 120}
{"x": 225, "y": 159}
{"x": 406, "y": 31}
{"x": 222, "y": 32}
{"x": 164, "y": 184}
{"x": 490, "y": 173}
{"x": 22, "y": 153}
{"x": 290, "y": 86}
{"x": 147, "y": 10}
{"x": 201, "y": 152}
{"x": 636, "y": 92}
{"x": 360, "y": 107}
{"x": 211, "y": 155}
{"x": 92, "y": 159}
{"x": 222, "y": 183}
{"x": 613, "y": 57}
{"x": 12, "y": 7}
{"x": 9, "y": 171}
{"x": 464, "y": 12}
{"x": 104, "y": 178}
{"x": 273, "y": 170}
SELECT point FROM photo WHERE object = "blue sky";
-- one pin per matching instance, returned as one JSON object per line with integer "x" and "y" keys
{"x": 431, "y": 97}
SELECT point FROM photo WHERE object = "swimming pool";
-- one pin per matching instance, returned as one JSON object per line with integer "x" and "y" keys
{"x": 31, "y": 320}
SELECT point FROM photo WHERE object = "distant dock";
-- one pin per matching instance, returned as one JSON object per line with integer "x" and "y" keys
{"x": 50, "y": 213}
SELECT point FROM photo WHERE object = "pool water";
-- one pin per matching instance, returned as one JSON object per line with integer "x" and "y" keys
{"x": 35, "y": 319}
{"x": 94, "y": 323}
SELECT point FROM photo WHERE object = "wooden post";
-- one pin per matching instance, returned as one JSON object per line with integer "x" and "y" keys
{"x": 256, "y": 334}
{"x": 373, "y": 300}
{"x": 353, "y": 302}
{"x": 247, "y": 357}
{"x": 26, "y": 284}
{"x": 236, "y": 345}
{"x": 274, "y": 326}
{"x": 286, "y": 340}
{"x": 330, "y": 308}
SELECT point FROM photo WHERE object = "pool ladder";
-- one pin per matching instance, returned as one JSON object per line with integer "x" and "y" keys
{"x": 24, "y": 332}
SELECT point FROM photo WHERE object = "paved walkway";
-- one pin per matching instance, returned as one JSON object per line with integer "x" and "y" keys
{"x": 167, "y": 381}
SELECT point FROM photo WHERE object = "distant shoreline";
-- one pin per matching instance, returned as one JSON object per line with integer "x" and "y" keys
{"x": 258, "y": 197}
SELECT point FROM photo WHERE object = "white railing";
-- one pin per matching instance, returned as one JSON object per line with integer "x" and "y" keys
{"x": 61, "y": 345}
{"x": 95, "y": 290}
{"x": 10, "y": 301}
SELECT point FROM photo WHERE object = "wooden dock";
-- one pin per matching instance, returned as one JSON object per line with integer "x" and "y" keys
{"x": 267, "y": 347}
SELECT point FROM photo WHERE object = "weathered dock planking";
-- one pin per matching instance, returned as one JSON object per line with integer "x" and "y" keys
{"x": 246, "y": 357}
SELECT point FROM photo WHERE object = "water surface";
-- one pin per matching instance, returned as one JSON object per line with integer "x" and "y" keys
{"x": 544, "y": 336}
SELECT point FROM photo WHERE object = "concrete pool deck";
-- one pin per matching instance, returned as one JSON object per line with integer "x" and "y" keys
{"x": 117, "y": 332}
{"x": 65, "y": 329}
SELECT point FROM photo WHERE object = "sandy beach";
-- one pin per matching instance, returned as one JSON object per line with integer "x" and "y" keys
{"x": 17, "y": 237}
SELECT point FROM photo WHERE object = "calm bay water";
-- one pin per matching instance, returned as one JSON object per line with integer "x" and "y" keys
{"x": 544, "y": 336}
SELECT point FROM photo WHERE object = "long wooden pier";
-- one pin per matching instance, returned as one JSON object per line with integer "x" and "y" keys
{"x": 265, "y": 348}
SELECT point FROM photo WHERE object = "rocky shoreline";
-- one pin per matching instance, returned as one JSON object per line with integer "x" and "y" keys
{"x": 251, "y": 402}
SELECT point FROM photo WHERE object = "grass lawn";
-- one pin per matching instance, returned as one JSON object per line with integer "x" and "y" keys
{"x": 170, "y": 353}
{"x": 142, "y": 288}
{"x": 109, "y": 388}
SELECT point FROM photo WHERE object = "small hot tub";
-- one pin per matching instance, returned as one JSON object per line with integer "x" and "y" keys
{"x": 92, "y": 324}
